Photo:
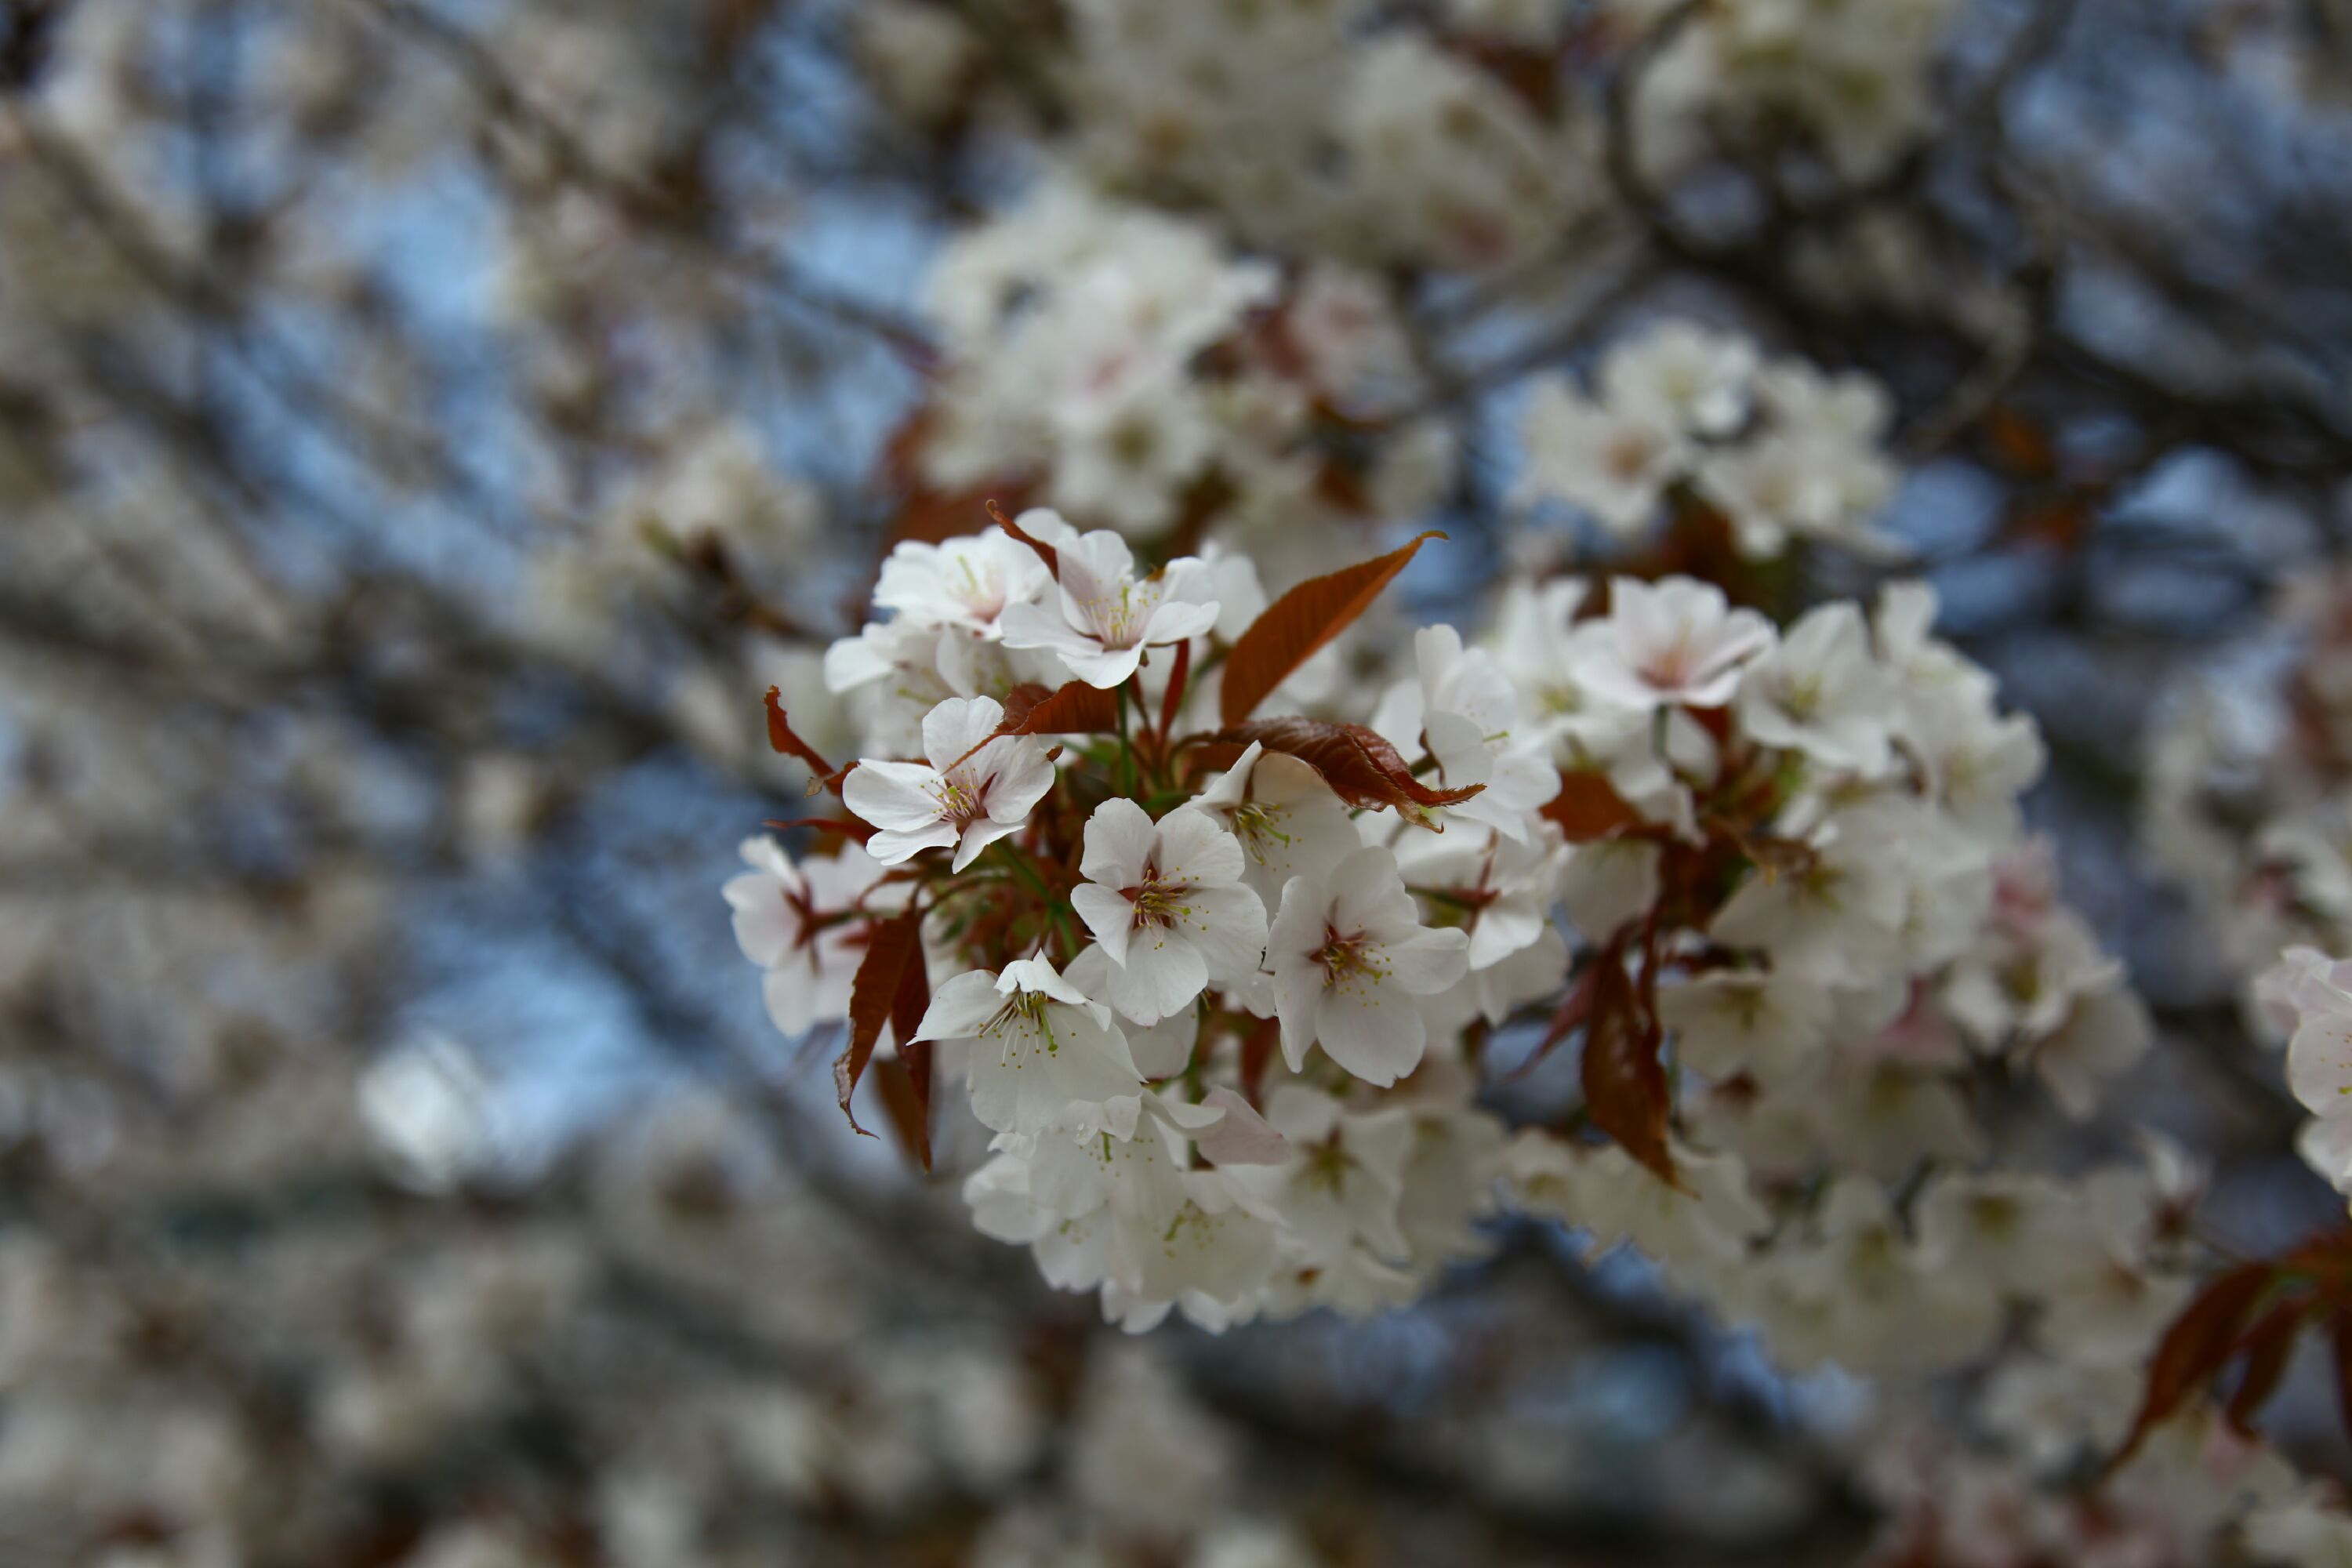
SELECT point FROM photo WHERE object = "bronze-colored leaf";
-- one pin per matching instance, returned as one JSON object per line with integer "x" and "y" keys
{"x": 1294, "y": 625}
{"x": 874, "y": 998}
{"x": 908, "y": 1108}
{"x": 784, "y": 742}
{"x": 1625, "y": 1088}
{"x": 1587, "y": 808}
{"x": 1172, "y": 697}
{"x": 1046, "y": 553}
{"x": 1076, "y": 709}
{"x": 2195, "y": 1348}
{"x": 1360, "y": 766}
{"x": 2267, "y": 1346}
{"x": 1570, "y": 1016}
{"x": 1258, "y": 1048}
{"x": 905, "y": 1081}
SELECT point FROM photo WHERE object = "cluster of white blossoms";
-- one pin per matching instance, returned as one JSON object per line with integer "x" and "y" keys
{"x": 1218, "y": 982}
{"x": 1312, "y": 131}
{"x": 714, "y": 496}
{"x": 1813, "y": 895}
{"x": 1681, "y": 416}
{"x": 1211, "y": 1015}
{"x": 1851, "y": 80}
{"x": 2200, "y": 1493}
{"x": 1220, "y": 988}
{"x": 1464, "y": 137}
{"x": 1129, "y": 369}
{"x": 164, "y": 1403}
{"x": 2248, "y": 799}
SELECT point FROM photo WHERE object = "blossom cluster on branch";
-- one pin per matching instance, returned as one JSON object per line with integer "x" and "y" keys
{"x": 2248, "y": 803}
{"x": 1778, "y": 450}
{"x": 1222, "y": 983}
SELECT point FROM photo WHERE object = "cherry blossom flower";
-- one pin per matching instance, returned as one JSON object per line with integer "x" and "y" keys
{"x": 976, "y": 790}
{"x": 1507, "y": 887}
{"x": 1776, "y": 488}
{"x": 1466, "y": 712}
{"x": 1680, "y": 375}
{"x": 1039, "y": 1053}
{"x": 1165, "y": 899}
{"x": 2319, "y": 1054}
{"x": 1106, "y": 616}
{"x": 1613, "y": 466}
{"x": 2020, "y": 1232}
{"x": 1344, "y": 1180}
{"x": 1286, "y": 818}
{"x": 1677, "y": 642}
{"x": 780, "y": 911}
{"x": 1609, "y": 883}
{"x": 1819, "y": 691}
{"x": 1733, "y": 1021}
{"x": 969, "y": 582}
{"x": 1349, "y": 954}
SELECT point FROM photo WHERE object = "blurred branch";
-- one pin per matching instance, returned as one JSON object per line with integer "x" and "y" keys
{"x": 679, "y": 214}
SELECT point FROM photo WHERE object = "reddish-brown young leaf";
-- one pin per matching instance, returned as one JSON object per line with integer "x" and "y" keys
{"x": 907, "y": 1088}
{"x": 1046, "y": 553}
{"x": 908, "y": 1108}
{"x": 1294, "y": 625}
{"x": 917, "y": 1060}
{"x": 2195, "y": 1348}
{"x": 2266, "y": 1347}
{"x": 1566, "y": 1019}
{"x": 2327, "y": 1261}
{"x": 1361, "y": 767}
{"x": 1076, "y": 709}
{"x": 1625, "y": 1086}
{"x": 1588, "y": 806}
{"x": 1258, "y": 1048}
{"x": 1173, "y": 698}
{"x": 873, "y": 999}
{"x": 913, "y": 998}
{"x": 781, "y": 739}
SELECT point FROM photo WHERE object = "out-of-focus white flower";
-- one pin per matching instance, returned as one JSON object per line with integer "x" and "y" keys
{"x": 433, "y": 1114}
{"x": 1676, "y": 642}
{"x": 1766, "y": 1024}
{"x": 1819, "y": 691}
{"x": 2319, "y": 991}
{"x": 1464, "y": 709}
{"x": 1679, "y": 375}
{"x": 1612, "y": 465}
{"x": 969, "y": 582}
